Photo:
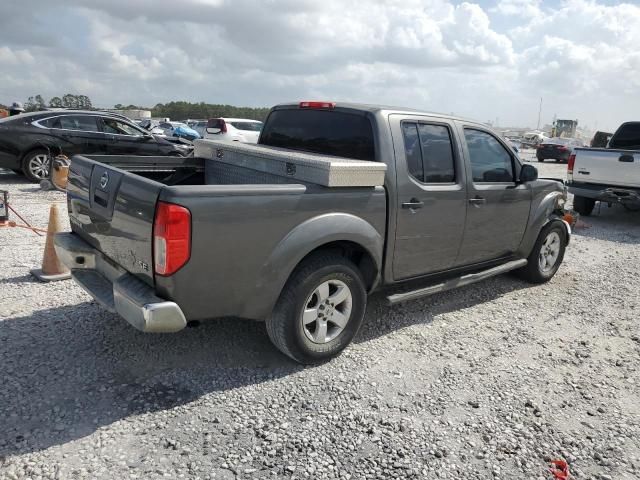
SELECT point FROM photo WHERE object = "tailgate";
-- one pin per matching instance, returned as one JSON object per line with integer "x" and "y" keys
{"x": 113, "y": 210}
{"x": 608, "y": 167}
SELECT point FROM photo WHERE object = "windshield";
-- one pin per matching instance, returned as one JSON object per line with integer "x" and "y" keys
{"x": 247, "y": 126}
{"x": 327, "y": 132}
{"x": 179, "y": 125}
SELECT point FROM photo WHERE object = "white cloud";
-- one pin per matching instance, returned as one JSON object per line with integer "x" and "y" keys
{"x": 435, "y": 54}
{"x": 518, "y": 8}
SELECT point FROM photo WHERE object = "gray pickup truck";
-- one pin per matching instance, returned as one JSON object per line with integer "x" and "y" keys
{"x": 165, "y": 241}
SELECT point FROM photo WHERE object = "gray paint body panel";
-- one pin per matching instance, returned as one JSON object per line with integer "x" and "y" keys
{"x": 245, "y": 246}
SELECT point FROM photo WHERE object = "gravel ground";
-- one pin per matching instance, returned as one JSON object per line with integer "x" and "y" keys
{"x": 489, "y": 381}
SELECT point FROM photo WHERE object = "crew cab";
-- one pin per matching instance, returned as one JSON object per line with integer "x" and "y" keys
{"x": 610, "y": 174}
{"x": 164, "y": 241}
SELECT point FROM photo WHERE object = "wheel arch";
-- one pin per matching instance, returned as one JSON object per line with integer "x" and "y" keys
{"x": 346, "y": 234}
{"x": 53, "y": 150}
{"x": 542, "y": 213}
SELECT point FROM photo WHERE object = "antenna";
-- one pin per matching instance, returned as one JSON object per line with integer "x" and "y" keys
{"x": 539, "y": 112}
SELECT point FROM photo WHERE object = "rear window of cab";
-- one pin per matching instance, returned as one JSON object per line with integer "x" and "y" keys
{"x": 326, "y": 132}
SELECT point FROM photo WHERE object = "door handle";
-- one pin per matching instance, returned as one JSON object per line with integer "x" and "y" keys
{"x": 626, "y": 158}
{"x": 413, "y": 204}
{"x": 477, "y": 201}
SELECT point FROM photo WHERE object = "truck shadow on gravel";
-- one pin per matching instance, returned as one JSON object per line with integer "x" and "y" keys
{"x": 68, "y": 371}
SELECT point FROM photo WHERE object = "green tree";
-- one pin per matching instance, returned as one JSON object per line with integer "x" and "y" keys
{"x": 55, "y": 102}
{"x": 84, "y": 102}
{"x": 182, "y": 110}
{"x": 69, "y": 101}
{"x": 40, "y": 103}
{"x": 30, "y": 105}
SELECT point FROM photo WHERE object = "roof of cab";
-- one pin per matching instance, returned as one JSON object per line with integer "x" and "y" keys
{"x": 364, "y": 107}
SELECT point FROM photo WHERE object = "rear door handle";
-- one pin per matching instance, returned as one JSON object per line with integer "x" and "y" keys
{"x": 413, "y": 204}
{"x": 625, "y": 158}
{"x": 477, "y": 201}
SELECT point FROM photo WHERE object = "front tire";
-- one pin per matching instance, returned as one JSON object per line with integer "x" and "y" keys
{"x": 583, "y": 205}
{"x": 320, "y": 309}
{"x": 36, "y": 165}
{"x": 547, "y": 254}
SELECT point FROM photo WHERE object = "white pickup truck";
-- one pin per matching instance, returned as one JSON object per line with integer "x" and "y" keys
{"x": 609, "y": 174}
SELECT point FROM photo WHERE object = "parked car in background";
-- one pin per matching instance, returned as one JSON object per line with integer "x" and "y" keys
{"x": 449, "y": 203}
{"x": 609, "y": 174}
{"x": 27, "y": 141}
{"x": 200, "y": 126}
{"x": 179, "y": 129}
{"x": 533, "y": 138}
{"x": 192, "y": 122}
{"x": 601, "y": 139}
{"x": 233, "y": 130}
{"x": 557, "y": 149}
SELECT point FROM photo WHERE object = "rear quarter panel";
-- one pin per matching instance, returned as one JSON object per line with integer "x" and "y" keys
{"x": 246, "y": 241}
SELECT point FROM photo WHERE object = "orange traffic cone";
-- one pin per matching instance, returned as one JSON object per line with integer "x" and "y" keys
{"x": 52, "y": 269}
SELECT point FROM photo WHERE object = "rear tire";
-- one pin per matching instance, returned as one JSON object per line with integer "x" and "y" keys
{"x": 547, "y": 254}
{"x": 36, "y": 165}
{"x": 320, "y": 309}
{"x": 541, "y": 159}
{"x": 583, "y": 205}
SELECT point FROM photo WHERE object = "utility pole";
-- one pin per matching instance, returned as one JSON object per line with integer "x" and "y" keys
{"x": 539, "y": 112}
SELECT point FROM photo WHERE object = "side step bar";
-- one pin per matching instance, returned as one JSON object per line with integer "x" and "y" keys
{"x": 456, "y": 282}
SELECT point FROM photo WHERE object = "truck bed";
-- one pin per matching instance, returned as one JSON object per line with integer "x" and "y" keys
{"x": 236, "y": 213}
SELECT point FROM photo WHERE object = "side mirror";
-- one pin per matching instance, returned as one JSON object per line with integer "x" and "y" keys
{"x": 529, "y": 173}
{"x": 213, "y": 131}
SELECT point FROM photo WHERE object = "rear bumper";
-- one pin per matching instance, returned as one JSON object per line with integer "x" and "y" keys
{"x": 116, "y": 289}
{"x": 603, "y": 193}
{"x": 545, "y": 155}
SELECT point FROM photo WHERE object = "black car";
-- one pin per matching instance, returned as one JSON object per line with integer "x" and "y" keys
{"x": 27, "y": 141}
{"x": 557, "y": 149}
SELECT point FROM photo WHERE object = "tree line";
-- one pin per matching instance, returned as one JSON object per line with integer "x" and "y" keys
{"x": 175, "y": 110}
{"x": 184, "y": 110}
{"x": 37, "y": 102}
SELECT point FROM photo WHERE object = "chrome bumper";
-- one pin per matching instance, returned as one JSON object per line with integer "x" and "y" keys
{"x": 116, "y": 289}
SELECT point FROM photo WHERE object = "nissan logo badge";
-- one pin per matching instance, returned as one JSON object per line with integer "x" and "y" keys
{"x": 104, "y": 180}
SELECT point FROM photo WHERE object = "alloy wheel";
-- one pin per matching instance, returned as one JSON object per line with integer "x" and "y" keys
{"x": 39, "y": 165}
{"x": 327, "y": 311}
{"x": 549, "y": 252}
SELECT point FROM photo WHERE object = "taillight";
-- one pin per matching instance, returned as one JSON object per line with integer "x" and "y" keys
{"x": 571, "y": 163}
{"x": 171, "y": 238}
{"x": 223, "y": 128}
{"x": 329, "y": 105}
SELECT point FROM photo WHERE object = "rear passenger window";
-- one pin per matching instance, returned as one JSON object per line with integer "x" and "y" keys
{"x": 429, "y": 152}
{"x": 83, "y": 123}
{"x": 490, "y": 161}
{"x": 412, "y": 150}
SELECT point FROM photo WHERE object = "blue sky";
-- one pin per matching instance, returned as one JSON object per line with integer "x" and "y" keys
{"x": 483, "y": 59}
